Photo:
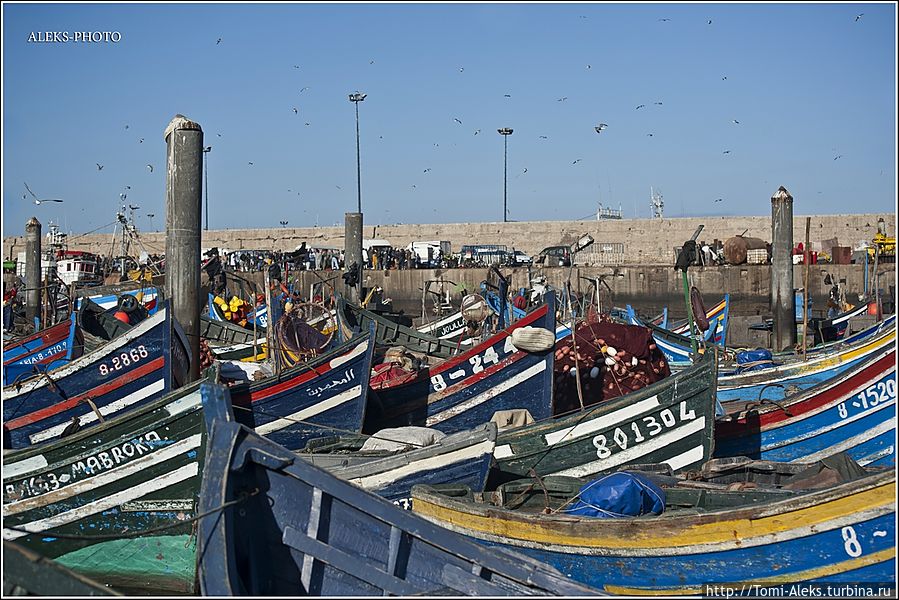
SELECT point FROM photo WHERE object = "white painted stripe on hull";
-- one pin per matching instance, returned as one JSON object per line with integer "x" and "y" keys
{"x": 16, "y": 469}
{"x": 310, "y": 411}
{"x": 504, "y": 451}
{"x": 847, "y": 444}
{"x": 188, "y": 402}
{"x": 693, "y": 455}
{"x": 441, "y": 461}
{"x": 359, "y": 349}
{"x": 485, "y": 396}
{"x": 635, "y": 452}
{"x": 105, "y": 477}
{"x": 889, "y": 450}
{"x": 91, "y": 416}
{"x": 603, "y": 421}
{"x": 105, "y": 503}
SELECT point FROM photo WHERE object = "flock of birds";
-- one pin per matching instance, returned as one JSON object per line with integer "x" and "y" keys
{"x": 599, "y": 128}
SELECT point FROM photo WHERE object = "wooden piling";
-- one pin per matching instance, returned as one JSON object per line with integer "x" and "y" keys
{"x": 783, "y": 300}
{"x": 33, "y": 272}
{"x": 183, "y": 195}
{"x": 352, "y": 239}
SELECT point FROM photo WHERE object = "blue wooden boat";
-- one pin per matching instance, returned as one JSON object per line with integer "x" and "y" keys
{"x": 274, "y": 524}
{"x": 462, "y": 458}
{"x": 325, "y": 395}
{"x": 795, "y": 374}
{"x": 26, "y": 573}
{"x": 114, "y": 502}
{"x": 257, "y": 315}
{"x": 465, "y": 391}
{"x": 853, "y": 412}
{"x": 46, "y": 349}
{"x": 109, "y": 296}
{"x": 709, "y": 533}
{"x": 141, "y": 364}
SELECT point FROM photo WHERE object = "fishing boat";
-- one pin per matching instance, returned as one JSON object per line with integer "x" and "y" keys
{"x": 670, "y": 421}
{"x": 675, "y": 343}
{"x": 45, "y": 349}
{"x": 258, "y": 315}
{"x": 27, "y": 573}
{"x": 139, "y": 365}
{"x": 400, "y": 461}
{"x": 795, "y": 374}
{"x": 115, "y": 502}
{"x": 734, "y": 532}
{"x": 109, "y": 296}
{"x": 354, "y": 319}
{"x": 320, "y": 397}
{"x": 229, "y": 341}
{"x": 465, "y": 391}
{"x": 276, "y": 525}
{"x": 853, "y": 412}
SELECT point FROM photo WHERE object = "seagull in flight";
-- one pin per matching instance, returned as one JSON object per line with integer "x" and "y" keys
{"x": 577, "y": 161}
{"x": 736, "y": 122}
{"x": 709, "y": 22}
{"x": 99, "y": 166}
{"x": 639, "y": 107}
{"x": 218, "y": 41}
{"x": 126, "y": 126}
{"x": 149, "y": 166}
{"x": 459, "y": 121}
{"x": 664, "y": 19}
{"x": 859, "y": 16}
{"x": 525, "y": 171}
{"x": 307, "y": 124}
{"x": 724, "y": 78}
{"x": 38, "y": 200}
{"x": 726, "y": 152}
{"x": 507, "y": 95}
{"x": 838, "y": 156}
{"x": 304, "y": 89}
{"x": 589, "y": 67}
{"x": 249, "y": 163}
{"x": 649, "y": 134}
{"x": 338, "y": 187}
{"x": 719, "y": 200}
{"x": 140, "y": 141}
{"x": 218, "y": 134}
{"x": 600, "y": 127}
{"x": 562, "y": 99}
{"x": 428, "y": 169}
{"x": 657, "y": 103}
{"x": 543, "y": 137}
{"x": 371, "y": 62}
{"x": 477, "y": 131}
{"x": 295, "y": 111}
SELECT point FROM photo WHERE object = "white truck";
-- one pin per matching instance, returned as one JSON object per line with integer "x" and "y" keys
{"x": 429, "y": 253}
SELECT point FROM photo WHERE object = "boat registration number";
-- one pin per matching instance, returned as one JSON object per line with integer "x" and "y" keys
{"x": 642, "y": 429}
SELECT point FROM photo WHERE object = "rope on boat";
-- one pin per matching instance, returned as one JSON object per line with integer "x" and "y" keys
{"x": 135, "y": 534}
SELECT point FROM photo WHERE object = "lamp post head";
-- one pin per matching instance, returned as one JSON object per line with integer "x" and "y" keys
{"x": 357, "y": 97}
{"x": 504, "y": 131}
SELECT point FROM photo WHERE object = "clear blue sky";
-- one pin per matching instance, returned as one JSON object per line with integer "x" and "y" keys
{"x": 807, "y": 83}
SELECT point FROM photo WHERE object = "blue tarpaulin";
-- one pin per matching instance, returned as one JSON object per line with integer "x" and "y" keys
{"x": 621, "y": 494}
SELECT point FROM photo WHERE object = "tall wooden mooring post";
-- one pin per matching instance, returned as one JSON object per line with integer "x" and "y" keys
{"x": 783, "y": 301}
{"x": 33, "y": 279}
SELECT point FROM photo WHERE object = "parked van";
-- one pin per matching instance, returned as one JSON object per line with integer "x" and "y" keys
{"x": 555, "y": 256}
{"x": 430, "y": 252}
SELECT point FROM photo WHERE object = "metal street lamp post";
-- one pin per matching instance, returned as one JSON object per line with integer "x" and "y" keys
{"x": 206, "y": 152}
{"x": 505, "y": 132}
{"x": 356, "y": 98}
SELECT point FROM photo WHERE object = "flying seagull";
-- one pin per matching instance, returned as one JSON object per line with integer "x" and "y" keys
{"x": 249, "y": 163}
{"x": 838, "y": 156}
{"x": 99, "y": 166}
{"x": 726, "y": 152}
{"x": 371, "y": 62}
{"x": 218, "y": 134}
{"x": 719, "y": 199}
{"x": 461, "y": 69}
{"x": 588, "y": 66}
{"x": 600, "y": 127}
{"x": 664, "y": 19}
{"x": 525, "y": 171}
{"x": 149, "y": 166}
{"x": 459, "y": 121}
{"x": 657, "y": 103}
{"x": 710, "y": 22}
{"x": 126, "y": 126}
{"x": 649, "y": 134}
{"x": 859, "y": 16}
{"x": 724, "y": 78}
{"x": 307, "y": 124}
{"x": 296, "y": 66}
{"x": 507, "y": 95}
{"x": 477, "y": 131}
{"x": 38, "y": 200}
{"x": 428, "y": 169}
{"x": 639, "y": 107}
{"x": 736, "y": 122}
{"x": 562, "y": 99}
{"x": 304, "y": 89}
{"x": 141, "y": 141}
{"x": 338, "y": 187}
{"x": 218, "y": 41}
{"x": 295, "y": 111}
{"x": 577, "y": 161}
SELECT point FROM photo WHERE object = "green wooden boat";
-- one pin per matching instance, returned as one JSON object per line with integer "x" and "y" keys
{"x": 115, "y": 502}
{"x": 229, "y": 341}
{"x": 353, "y": 318}
{"x": 27, "y": 573}
{"x": 670, "y": 421}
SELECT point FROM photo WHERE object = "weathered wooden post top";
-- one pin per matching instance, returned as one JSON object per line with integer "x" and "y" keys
{"x": 353, "y": 255}
{"x": 782, "y": 296}
{"x": 183, "y": 207}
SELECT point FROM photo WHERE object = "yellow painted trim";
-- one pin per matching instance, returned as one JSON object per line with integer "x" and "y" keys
{"x": 807, "y": 575}
{"x": 653, "y": 533}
